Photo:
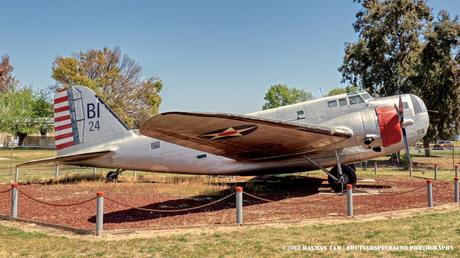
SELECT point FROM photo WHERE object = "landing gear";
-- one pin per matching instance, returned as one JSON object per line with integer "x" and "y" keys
{"x": 112, "y": 176}
{"x": 348, "y": 177}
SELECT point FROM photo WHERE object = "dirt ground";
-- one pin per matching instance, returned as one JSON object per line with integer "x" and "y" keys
{"x": 295, "y": 197}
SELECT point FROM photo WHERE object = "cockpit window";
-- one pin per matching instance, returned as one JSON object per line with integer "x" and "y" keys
{"x": 405, "y": 105}
{"x": 418, "y": 107}
{"x": 343, "y": 102}
{"x": 355, "y": 99}
{"x": 365, "y": 95}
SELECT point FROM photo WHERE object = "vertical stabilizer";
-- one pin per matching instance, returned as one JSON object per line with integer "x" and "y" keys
{"x": 82, "y": 120}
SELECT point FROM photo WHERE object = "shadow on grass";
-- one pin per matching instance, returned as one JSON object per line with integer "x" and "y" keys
{"x": 70, "y": 179}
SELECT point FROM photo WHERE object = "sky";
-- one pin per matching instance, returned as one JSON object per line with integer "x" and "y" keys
{"x": 214, "y": 56}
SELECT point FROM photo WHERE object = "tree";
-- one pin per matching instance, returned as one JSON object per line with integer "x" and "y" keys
{"x": 281, "y": 95}
{"x": 7, "y": 81}
{"x": 19, "y": 114}
{"x": 340, "y": 90}
{"x": 401, "y": 50}
{"x": 438, "y": 79}
{"x": 42, "y": 110}
{"x": 385, "y": 55}
{"x": 115, "y": 78}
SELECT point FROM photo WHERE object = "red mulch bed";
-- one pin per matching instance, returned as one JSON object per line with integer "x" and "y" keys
{"x": 295, "y": 200}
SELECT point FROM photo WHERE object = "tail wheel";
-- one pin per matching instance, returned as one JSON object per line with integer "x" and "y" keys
{"x": 348, "y": 177}
{"x": 112, "y": 177}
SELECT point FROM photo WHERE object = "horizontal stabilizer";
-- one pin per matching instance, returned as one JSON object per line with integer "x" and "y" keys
{"x": 64, "y": 159}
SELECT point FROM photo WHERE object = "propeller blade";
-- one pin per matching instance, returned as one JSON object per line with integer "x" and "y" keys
{"x": 401, "y": 110}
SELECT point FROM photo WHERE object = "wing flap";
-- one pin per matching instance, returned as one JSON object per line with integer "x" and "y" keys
{"x": 241, "y": 137}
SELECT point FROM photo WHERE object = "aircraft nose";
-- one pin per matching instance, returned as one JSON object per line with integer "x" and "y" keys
{"x": 422, "y": 119}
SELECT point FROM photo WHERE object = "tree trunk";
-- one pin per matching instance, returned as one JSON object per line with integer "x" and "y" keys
{"x": 426, "y": 147}
{"x": 21, "y": 136}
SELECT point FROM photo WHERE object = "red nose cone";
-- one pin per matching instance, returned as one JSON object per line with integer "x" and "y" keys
{"x": 390, "y": 128}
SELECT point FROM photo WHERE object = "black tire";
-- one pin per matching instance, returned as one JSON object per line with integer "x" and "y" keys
{"x": 349, "y": 177}
{"x": 112, "y": 177}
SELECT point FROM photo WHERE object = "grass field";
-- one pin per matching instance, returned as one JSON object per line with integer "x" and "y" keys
{"x": 429, "y": 229}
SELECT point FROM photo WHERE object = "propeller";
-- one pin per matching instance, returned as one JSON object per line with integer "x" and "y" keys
{"x": 403, "y": 124}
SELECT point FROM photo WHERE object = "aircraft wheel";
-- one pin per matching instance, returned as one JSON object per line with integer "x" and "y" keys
{"x": 112, "y": 177}
{"x": 348, "y": 177}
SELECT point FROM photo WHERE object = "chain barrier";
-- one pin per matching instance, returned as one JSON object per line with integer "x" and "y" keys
{"x": 171, "y": 210}
{"x": 56, "y": 204}
{"x": 7, "y": 190}
{"x": 281, "y": 202}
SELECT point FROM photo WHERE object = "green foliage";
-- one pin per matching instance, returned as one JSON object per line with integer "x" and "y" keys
{"x": 116, "y": 78}
{"x": 23, "y": 112}
{"x": 340, "y": 90}
{"x": 438, "y": 80}
{"x": 385, "y": 55}
{"x": 281, "y": 95}
{"x": 401, "y": 50}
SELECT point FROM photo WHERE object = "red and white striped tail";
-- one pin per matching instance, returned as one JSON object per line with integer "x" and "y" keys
{"x": 62, "y": 120}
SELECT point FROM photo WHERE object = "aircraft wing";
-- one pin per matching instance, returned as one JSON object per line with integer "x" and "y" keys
{"x": 241, "y": 137}
{"x": 65, "y": 159}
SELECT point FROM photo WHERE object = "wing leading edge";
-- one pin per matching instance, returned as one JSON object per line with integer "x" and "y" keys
{"x": 241, "y": 137}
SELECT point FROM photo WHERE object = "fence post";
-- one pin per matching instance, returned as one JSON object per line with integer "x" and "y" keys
{"x": 94, "y": 171}
{"x": 349, "y": 200}
{"x": 239, "y": 205}
{"x": 456, "y": 171}
{"x": 135, "y": 175}
{"x": 375, "y": 167}
{"x": 99, "y": 213}
{"x": 456, "y": 190}
{"x": 14, "y": 201}
{"x": 429, "y": 191}
{"x": 16, "y": 175}
{"x": 435, "y": 171}
{"x": 56, "y": 173}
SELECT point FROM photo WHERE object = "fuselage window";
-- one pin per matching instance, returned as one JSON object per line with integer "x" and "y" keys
{"x": 332, "y": 103}
{"x": 343, "y": 102}
{"x": 355, "y": 99}
{"x": 300, "y": 114}
{"x": 201, "y": 156}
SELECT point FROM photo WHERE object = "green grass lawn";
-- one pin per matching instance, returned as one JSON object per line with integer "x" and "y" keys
{"x": 429, "y": 229}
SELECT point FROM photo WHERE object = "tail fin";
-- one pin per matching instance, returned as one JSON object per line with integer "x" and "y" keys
{"x": 82, "y": 119}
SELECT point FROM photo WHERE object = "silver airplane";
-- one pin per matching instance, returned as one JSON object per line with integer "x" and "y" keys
{"x": 317, "y": 134}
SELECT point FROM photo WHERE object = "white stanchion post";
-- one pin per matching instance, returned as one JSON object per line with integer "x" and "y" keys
{"x": 375, "y": 167}
{"x": 56, "y": 172}
{"x": 14, "y": 201}
{"x": 239, "y": 205}
{"x": 456, "y": 190}
{"x": 429, "y": 190}
{"x": 16, "y": 175}
{"x": 99, "y": 213}
{"x": 349, "y": 200}
{"x": 94, "y": 171}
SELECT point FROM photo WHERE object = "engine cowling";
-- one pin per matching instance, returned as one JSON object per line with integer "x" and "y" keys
{"x": 390, "y": 128}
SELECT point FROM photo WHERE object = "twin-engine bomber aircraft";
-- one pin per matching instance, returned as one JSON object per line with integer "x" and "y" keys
{"x": 326, "y": 132}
